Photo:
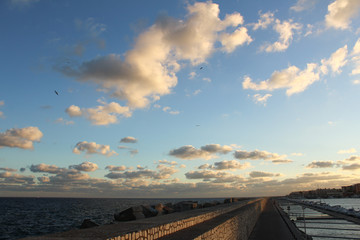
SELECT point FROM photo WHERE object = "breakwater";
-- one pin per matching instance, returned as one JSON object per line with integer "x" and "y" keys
{"x": 231, "y": 220}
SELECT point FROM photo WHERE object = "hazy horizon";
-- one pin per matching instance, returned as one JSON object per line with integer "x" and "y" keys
{"x": 178, "y": 99}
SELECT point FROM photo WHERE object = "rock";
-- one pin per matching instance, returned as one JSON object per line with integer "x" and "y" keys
{"x": 130, "y": 214}
{"x": 185, "y": 205}
{"x": 228, "y": 200}
{"x": 87, "y": 223}
{"x": 160, "y": 208}
{"x": 148, "y": 211}
{"x": 167, "y": 210}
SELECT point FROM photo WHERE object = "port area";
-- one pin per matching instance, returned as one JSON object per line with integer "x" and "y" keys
{"x": 321, "y": 222}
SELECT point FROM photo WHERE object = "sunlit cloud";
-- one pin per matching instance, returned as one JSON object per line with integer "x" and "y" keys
{"x": 116, "y": 168}
{"x": 8, "y": 169}
{"x": 261, "y": 99}
{"x": 340, "y": 13}
{"x": 168, "y": 109}
{"x": 20, "y": 137}
{"x": 100, "y": 115}
{"x": 350, "y": 150}
{"x": 93, "y": 148}
{"x": 265, "y": 20}
{"x": 149, "y": 69}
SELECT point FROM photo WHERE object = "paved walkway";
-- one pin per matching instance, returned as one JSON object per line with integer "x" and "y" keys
{"x": 270, "y": 225}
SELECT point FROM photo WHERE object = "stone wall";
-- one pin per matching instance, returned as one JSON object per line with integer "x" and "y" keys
{"x": 236, "y": 227}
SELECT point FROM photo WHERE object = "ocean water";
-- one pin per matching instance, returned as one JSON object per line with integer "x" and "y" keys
{"x": 24, "y": 217}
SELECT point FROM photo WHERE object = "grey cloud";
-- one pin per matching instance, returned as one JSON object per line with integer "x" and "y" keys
{"x": 321, "y": 164}
{"x": 93, "y": 148}
{"x": 205, "y": 152}
{"x": 257, "y": 155}
{"x": 116, "y": 168}
{"x": 8, "y": 169}
{"x": 353, "y": 166}
{"x": 225, "y": 165}
{"x": 259, "y": 174}
{"x": 46, "y": 168}
{"x": 128, "y": 140}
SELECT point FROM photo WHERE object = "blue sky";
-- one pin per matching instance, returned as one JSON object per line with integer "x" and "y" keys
{"x": 178, "y": 98}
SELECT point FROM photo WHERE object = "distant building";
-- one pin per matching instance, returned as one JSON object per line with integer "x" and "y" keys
{"x": 345, "y": 191}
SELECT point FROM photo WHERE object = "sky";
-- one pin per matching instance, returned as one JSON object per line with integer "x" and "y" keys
{"x": 167, "y": 99}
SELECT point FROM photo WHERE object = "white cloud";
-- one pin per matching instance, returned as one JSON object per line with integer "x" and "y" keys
{"x": 286, "y": 31}
{"x": 356, "y": 82}
{"x": 350, "y": 150}
{"x": 172, "y": 163}
{"x": 20, "y": 137}
{"x": 100, "y": 115}
{"x": 149, "y": 69}
{"x": 192, "y": 75}
{"x": 295, "y": 80}
{"x": 336, "y": 60}
{"x": 265, "y": 20}
{"x": 302, "y": 5}
{"x": 85, "y": 167}
{"x": 168, "y": 110}
{"x": 129, "y": 139}
{"x": 205, "y": 152}
{"x": 340, "y": 13}
{"x": 206, "y": 79}
{"x": 93, "y": 148}
{"x": 259, "y": 99}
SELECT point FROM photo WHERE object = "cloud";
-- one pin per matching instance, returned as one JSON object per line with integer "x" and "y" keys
{"x": 258, "y": 174}
{"x": 353, "y": 166}
{"x": 128, "y": 139}
{"x": 116, "y": 168}
{"x": 100, "y": 115}
{"x": 64, "y": 121}
{"x": 214, "y": 176}
{"x": 2, "y": 103}
{"x": 93, "y": 148}
{"x": 286, "y": 31}
{"x": 321, "y": 164}
{"x": 340, "y": 13}
{"x": 149, "y": 70}
{"x": 257, "y": 155}
{"x": 172, "y": 163}
{"x": 20, "y": 137}
{"x": 259, "y": 99}
{"x": 163, "y": 172}
{"x": 168, "y": 110}
{"x": 353, "y": 158}
{"x": 265, "y": 20}
{"x": 302, "y": 5}
{"x": 205, "y": 152}
{"x": 278, "y": 161}
{"x": 8, "y": 169}
{"x": 351, "y": 150}
{"x": 85, "y": 167}
{"x": 13, "y": 178}
{"x": 42, "y": 167}
{"x": 296, "y": 80}
{"x": 226, "y": 165}
{"x": 336, "y": 61}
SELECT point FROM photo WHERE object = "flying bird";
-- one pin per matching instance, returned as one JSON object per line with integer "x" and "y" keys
{"x": 198, "y": 125}
{"x": 56, "y": 92}
{"x": 201, "y": 68}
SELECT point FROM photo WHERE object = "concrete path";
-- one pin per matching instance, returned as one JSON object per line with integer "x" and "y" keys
{"x": 270, "y": 225}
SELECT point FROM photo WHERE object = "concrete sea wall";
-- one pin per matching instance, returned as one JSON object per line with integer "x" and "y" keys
{"x": 225, "y": 221}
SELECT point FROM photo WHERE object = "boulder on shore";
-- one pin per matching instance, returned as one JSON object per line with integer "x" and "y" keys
{"x": 184, "y": 206}
{"x": 87, "y": 223}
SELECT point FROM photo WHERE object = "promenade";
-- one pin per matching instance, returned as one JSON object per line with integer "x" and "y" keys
{"x": 271, "y": 225}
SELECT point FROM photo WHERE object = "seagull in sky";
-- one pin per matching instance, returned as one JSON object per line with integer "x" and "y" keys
{"x": 56, "y": 92}
{"x": 201, "y": 68}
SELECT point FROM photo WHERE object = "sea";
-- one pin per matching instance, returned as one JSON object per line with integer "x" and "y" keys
{"x": 25, "y": 217}
{"x": 321, "y": 226}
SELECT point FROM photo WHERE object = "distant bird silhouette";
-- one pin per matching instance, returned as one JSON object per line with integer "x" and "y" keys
{"x": 198, "y": 125}
{"x": 56, "y": 92}
{"x": 201, "y": 68}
